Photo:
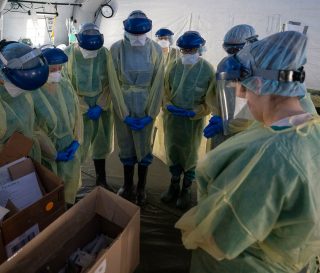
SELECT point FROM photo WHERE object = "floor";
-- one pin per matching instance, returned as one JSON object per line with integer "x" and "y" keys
{"x": 161, "y": 247}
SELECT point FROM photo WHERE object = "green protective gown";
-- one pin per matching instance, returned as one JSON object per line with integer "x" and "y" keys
{"x": 17, "y": 115}
{"x": 89, "y": 78}
{"x": 258, "y": 206}
{"x": 190, "y": 88}
{"x": 63, "y": 124}
{"x": 136, "y": 83}
{"x": 171, "y": 56}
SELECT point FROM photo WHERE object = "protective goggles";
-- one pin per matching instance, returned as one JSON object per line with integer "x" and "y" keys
{"x": 232, "y": 48}
{"x": 189, "y": 50}
{"x": 233, "y": 69}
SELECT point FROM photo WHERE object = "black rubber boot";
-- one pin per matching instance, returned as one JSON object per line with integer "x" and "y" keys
{"x": 126, "y": 191}
{"x": 141, "y": 192}
{"x": 184, "y": 199}
{"x": 172, "y": 193}
{"x": 101, "y": 179}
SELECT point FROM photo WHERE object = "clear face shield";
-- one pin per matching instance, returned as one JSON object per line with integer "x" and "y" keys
{"x": 233, "y": 105}
{"x": 231, "y": 72}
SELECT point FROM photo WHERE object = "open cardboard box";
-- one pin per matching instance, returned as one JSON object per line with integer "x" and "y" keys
{"x": 41, "y": 213}
{"x": 100, "y": 211}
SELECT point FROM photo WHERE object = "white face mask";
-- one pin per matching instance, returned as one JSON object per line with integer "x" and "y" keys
{"x": 54, "y": 77}
{"x": 136, "y": 40}
{"x": 13, "y": 90}
{"x": 203, "y": 50}
{"x": 164, "y": 43}
{"x": 242, "y": 110}
{"x": 190, "y": 59}
{"x": 88, "y": 54}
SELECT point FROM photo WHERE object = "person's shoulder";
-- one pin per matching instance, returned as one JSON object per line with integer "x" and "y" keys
{"x": 156, "y": 46}
{"x": 116, "y": 45}
{"x": 104, "y": 49}
{"x": 69, "y": 48}
{"x": 207, "y": 65}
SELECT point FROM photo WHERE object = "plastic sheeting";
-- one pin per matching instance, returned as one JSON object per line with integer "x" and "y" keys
{"x": 213, "y": 18}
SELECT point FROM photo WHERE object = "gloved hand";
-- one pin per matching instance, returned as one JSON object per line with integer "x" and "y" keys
{"x": 180, "y": 112}
{"x": 137, "y": 124}
{"x": 133, "y": 123}
{"x": 62, "y": 156}
{"x": 94, "y": 112}
{"x": 145, "y": 121}
{"x": 214, "y": 127}
{"x": 72, "y": 149}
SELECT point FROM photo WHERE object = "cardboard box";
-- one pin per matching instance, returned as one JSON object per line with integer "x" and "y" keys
{"x": 25, "y": 224}
{"x": 100, "y": 211}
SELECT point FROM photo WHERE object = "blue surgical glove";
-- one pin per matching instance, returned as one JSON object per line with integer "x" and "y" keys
{"x": 180, "y": 112}
{"x": 214, "y": 127}
{"x": 72, "y": 149}
{"x": 94, "y": 112}
{"x": 137, "y": 124}
{"x": 133, "y": 123}
{"x": 62, "y": 156}
{"x": 145, "y": 121}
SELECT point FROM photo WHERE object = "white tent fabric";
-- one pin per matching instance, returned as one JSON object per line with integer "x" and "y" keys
{"x": 214, "y": 18}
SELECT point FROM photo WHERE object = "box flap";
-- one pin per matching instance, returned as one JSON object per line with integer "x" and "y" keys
{"x": 24, "y": 168}
{"x": 21, "y": 169}
{"x": 117, "y": 210}
{"x": 16, "y": 147}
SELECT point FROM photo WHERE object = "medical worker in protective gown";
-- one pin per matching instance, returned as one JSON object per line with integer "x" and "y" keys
{"x": 233, "y": 115}
{"x": 189, "y": 97}
{"x": 221, "y": 127}
{"x": 136, "y": 72}
{"x": 87, "y": 70}
{"x": 164, "y": 38}
{"x": 23, "y": 69}
{"x": 258, "y": 206}
{"x": 63, "y": 124}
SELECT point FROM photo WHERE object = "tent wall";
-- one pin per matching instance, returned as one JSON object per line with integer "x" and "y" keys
{"x": 213, "y": 18}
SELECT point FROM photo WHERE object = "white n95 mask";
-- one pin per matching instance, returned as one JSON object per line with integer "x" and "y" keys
{"x": 136, "y": 40}
{"x": 88, "y": 54}
{"x": 13, "y": 90}
{"x": 241, "y": 110}
{"x": 164, "y": 43}
{"x": 54, "y": 77}
{"x": 190, "y": 59}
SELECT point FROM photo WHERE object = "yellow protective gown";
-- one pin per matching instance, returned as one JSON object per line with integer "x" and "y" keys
{"x": 136, "y": 84}
{"x": 171, "y": 56}
{"x": 89, "y": 78}
{"x": 258, "y": 207}
{"x": 17, "y": 115}
{"x": 191, "y": 88}
{"x": 63, "y": 124}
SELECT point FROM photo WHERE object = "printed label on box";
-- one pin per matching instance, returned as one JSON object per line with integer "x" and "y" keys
{"x": 22, "y": 240}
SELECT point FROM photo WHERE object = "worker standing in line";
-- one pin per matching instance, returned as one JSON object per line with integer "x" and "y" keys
{"x": 87, "y": 71}
{"x": 136, "y": 71}
{"x": 189, "y": 97}
{"x": 258, "y": 205}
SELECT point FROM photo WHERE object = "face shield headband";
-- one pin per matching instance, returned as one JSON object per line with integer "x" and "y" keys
{"x": 233, "y": 69}
{"x": 26, "y": 79}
